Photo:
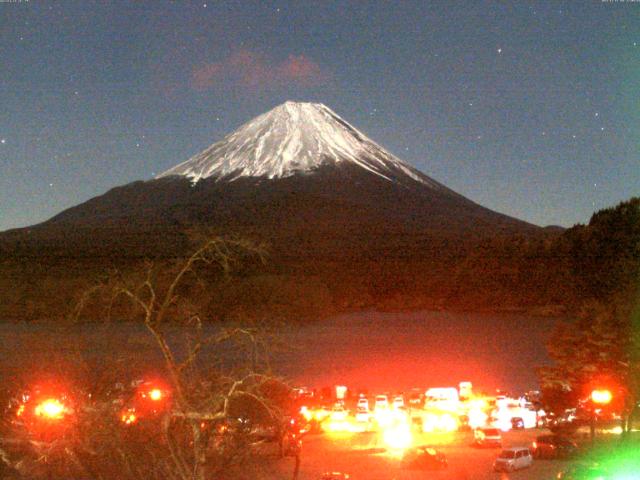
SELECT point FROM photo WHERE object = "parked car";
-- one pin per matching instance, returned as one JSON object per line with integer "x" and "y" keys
{"x": 463, "y": 423}
{"x": 514, "y": 458}
{"x": 363, "y": 403}
{"x": 338, "y": 413}
{"x": 363, "y": 415}
{"x": 424, "y": 458}
{"x": 553, "y": 446}
{"x": 382, "y": 402}
{"x": 487, "y": 437}
{"x": 517, "y": 423}
{"x": 398, "y": 402}
{"x": 415, "y": 397}
{"x": 334, "y": 476}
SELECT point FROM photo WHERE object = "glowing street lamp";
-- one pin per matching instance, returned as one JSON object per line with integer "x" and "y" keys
{"x": 601, "y": 397}
{"x": 155, "y": 394}
{"x": 50, "y": 408}
{"x": 149, "y": 400}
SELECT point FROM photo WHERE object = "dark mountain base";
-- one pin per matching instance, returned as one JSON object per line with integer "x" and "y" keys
{"x": 369, "y": 247}
{"x": 440, "y": 275}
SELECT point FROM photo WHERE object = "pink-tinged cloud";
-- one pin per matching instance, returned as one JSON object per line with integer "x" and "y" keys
{"x": 203, "y": 76}
{"x": 253, "y": 71}
{"x": 300, "y": 69}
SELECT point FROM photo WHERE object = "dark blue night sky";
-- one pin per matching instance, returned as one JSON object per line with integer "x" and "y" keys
{"x": 528, "y": 108}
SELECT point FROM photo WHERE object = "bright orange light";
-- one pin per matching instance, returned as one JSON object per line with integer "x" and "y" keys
{"x": 601, "y": 396}
{"x": 477, "y": 418}
{"x": 306, "y": 413}
{"x": 383, "y": 416}
{"x": 50, "y": 408}
{"x": 398, "y": 437}
{"x": 336, "y": 426}
{"x": 442, "y": 422}
{"x": 504, "y": 420}
{"x": 320, "y": 415}
{"x": 155, "y": 394}
{"x": 129, "y": 417}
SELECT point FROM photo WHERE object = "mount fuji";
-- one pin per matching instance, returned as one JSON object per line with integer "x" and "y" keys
{"x": 298, "y": 177}
{"x": 338, "y": 213}
{"x": 294, "y": 138}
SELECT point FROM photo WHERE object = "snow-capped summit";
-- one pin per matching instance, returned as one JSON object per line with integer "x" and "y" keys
{"x": 298, "y": 178}
{"x": 293, "y": 138}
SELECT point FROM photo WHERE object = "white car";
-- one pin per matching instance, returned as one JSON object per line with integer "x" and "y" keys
{"x": 362, "y": 415}
{"x": 487, "y": 437}
{"x": 363, "y": 403}
{"x": 382, "y": 402}
{"x": 338, "y": 413}
{"x": 514, "y": 458}
{"x": 398, "y": 402}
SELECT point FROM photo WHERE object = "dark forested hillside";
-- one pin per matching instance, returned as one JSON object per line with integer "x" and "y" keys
{"x": 546, "y": 273}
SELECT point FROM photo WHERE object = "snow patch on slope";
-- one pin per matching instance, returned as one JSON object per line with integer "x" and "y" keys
{"x": 293, "y": 138}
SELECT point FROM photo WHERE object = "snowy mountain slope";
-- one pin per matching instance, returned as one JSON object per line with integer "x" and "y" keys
{"x": 290, "y": 139}
{"x": 298, "y": 177}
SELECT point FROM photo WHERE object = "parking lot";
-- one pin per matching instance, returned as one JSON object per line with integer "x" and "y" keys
{"x": 363, "y": 457}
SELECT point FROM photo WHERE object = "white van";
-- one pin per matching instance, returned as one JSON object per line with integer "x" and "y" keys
{"x": 363, "y": 403}
{"x": 514, "y": 458}
{"x": 382, "y": 402}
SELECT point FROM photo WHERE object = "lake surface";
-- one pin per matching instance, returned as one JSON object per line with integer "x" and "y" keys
{"x": 370, "y": 350}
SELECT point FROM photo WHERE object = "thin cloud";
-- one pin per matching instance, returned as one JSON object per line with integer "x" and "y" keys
{"x": 253, "y": 71}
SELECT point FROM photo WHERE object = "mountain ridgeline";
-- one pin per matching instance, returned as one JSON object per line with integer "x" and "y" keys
{"x": 347, "y": 225}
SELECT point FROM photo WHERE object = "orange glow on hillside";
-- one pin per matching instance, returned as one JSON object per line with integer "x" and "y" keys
{"x": 51, "y": 408}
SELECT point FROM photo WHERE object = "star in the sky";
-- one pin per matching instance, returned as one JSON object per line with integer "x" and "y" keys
{"x": 3, "y": 141}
